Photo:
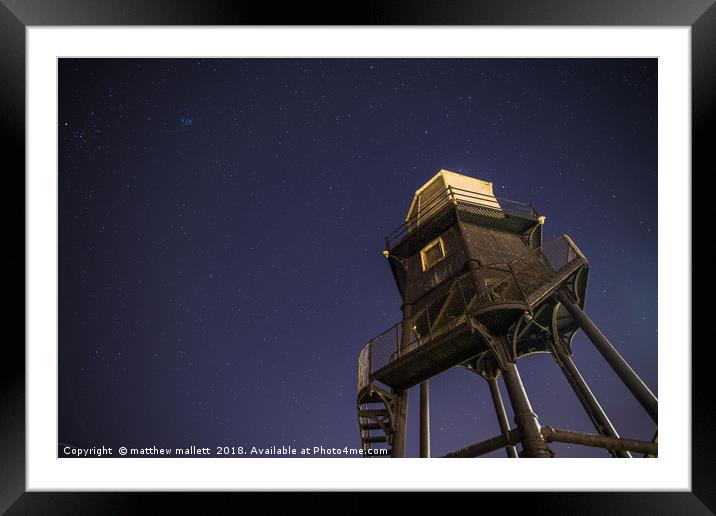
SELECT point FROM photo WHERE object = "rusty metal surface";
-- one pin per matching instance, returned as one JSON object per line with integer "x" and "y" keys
{"x": 551, "y": 434}
{"x": 599, "y": 441}
{"x": 484, "y": 447}
{"x": 516, "y": 285}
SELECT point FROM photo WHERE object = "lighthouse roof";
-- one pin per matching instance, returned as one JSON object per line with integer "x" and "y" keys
{"x": 447, "y": 185}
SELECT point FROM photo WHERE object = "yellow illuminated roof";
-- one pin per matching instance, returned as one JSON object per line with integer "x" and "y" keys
{"x": 463, "y": 187}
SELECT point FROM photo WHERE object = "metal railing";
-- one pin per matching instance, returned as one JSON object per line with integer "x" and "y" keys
{"x": 495, "y": 206}
{"x": 516, "y": 281}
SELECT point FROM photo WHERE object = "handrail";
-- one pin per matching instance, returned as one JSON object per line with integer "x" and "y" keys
{"x": 452, "y": 195}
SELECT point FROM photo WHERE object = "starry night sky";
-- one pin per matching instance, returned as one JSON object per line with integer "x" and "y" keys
{"x": 221, "y": 225}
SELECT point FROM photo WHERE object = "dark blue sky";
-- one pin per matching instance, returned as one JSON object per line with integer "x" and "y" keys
{"x": 221, "y": 224}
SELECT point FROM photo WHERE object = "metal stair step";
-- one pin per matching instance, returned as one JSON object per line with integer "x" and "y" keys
{"x": 373, "y": 426}
{"x": 373, "y": 412}
{"x": 373, "y": 397}
{"x": 377, "y": 439}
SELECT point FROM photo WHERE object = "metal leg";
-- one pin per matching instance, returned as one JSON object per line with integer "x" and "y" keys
{"x": 594, "y": 410}
{"x": 401, "y": 423}
{"x": 637, "y": 387}
{"x": 401, "y": 409}
{"x": 425, "y": 419}
{"x": 533, "y": 444}
{"x": 501, "y": 415}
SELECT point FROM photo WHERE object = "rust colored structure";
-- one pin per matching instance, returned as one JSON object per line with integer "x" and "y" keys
{"x": 480, "y": 290}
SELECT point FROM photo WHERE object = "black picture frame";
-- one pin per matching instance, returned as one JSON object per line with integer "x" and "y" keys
{"x": 16, "y": 15}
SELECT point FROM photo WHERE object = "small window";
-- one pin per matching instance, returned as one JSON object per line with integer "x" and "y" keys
{"x": 432, "y": 253}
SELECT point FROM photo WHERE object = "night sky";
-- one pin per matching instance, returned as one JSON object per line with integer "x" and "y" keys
{"x": 221, "y": 224}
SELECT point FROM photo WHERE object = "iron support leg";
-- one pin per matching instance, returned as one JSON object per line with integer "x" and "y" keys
{"x": 533, "y": 444}
{"x": 501, "y": 415}
{"x": 425, "y": 418}
{"x": 401, "y": 423}
{"x": 401, "y": 409}
{"x": 637, "y": 387}
{"x": 595, "y": 411}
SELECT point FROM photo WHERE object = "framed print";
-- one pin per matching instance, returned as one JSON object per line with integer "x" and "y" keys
{"x": 259, "y": 250}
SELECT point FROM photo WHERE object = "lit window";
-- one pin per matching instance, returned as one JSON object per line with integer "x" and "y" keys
{"x": 432, "y": 253}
